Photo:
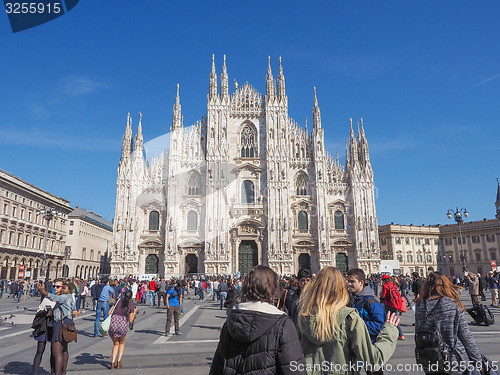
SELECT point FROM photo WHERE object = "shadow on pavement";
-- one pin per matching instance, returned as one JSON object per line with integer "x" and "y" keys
{"x": 21, "y": 368}
{"x": 207, "y": 327}
{"x": 87, "y": 358}
{"x": 149, "y": 331}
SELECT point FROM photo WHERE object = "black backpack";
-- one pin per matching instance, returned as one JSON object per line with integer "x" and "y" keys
{"x": 489, "y": 318}
{"x": 431, "y": 352}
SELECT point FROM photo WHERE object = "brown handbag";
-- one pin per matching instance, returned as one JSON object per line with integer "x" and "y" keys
{"x": 68, "y": 332}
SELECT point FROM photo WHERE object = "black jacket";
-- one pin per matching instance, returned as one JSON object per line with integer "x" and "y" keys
{"x": 40, "y": 323}
{"x": 257, "y": 338}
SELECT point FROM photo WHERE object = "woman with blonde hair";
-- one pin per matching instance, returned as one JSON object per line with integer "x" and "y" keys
{"x": 334, "y": 334}
{"x": 439, "y": 305}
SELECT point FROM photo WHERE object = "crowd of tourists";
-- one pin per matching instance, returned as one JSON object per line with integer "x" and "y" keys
{"x": 304, "y": 323}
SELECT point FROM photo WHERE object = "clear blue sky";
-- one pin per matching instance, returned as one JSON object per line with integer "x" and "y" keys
{"x": 425, "y": 77}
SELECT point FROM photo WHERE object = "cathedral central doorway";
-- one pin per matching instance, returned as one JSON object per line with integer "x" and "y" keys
{"x": 248, "y": 256}
{"x": 151, "y": 264}
{"x": 305, "y": 261}
{"x": 191, "y": 263}
{"x": 341, "y": 262}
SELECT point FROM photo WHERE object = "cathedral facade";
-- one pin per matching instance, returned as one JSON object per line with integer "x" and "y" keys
{"x": 245, "y": 185}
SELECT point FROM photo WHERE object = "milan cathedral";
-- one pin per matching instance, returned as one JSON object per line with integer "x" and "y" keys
{"x": 245, "y": 185}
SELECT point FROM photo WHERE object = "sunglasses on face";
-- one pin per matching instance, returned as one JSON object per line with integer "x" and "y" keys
{"x": 58, "y": 286}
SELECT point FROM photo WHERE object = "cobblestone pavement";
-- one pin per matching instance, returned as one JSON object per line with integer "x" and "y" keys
{"x": 147, "y": 351}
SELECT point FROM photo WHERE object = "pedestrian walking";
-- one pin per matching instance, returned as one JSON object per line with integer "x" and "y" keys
{"x": 473, "y": 288}
{"x": 335, "y": 334}
{"x": 258, "y": 338}
{"x": 123, "y": 315}
{"x": 174, "y": 301}
{"x": 391, "y": 299}
{"x": 439, "y": 305}
{"x": 102, "y": 293}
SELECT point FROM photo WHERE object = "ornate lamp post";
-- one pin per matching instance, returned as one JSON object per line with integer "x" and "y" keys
{"x": 48, "y": 215}
{"x": 425, "y": 260}
{"x": 457, "y": 215}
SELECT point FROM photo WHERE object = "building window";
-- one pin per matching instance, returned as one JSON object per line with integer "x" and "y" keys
{"x": 29, "y": 215}
{"x": 5, "y": 209}
{"x": 71, "y": 222}
{"x": 407, "y": 240}
{"x": 18, "y": 239}
{"x": 493, "y": 255}
{"x": 301, "y": 184}
{"x": 194, "y": 183}
{"x": 248, "y": 142}
{"x": 192, "y": 220}
{"x": 302, "y": 220}
{"x": 436, "y": 241}
{"x": 14, "y": 211}
{"x": 383, "y": 241}
{"x": 400, "y": 258}
{"x": 461, "y": 240}
{"x": 154, "y": 220}
{"x": 22, "y": 214}
{"x": 398, "y": 240}
{"x": 429, "y": 258}
{"x": 417, "y": 241}
{"x": 419, "y": 258}
{"x": 427, "y": 241}
{"x": 478, "y": 257}
{"x": 339, "y": 220}
{"x": 84, "y": 253}
{"x": 448, "y": 241}
{"x": 70, "y": 232}
{"x": 247, "y": 192}
{"x": 475, "y": 239}
{"x": 490, "y": 237}
{"x": 409, "y": 258}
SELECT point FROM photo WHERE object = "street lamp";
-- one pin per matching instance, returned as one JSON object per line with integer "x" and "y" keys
{"x": 48, "y": 215}
{"x": 425, "y": 260}
{"x": 457, "y": 215}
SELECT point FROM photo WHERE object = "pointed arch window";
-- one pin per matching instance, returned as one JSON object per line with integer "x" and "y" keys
{"x": 248, "y": 192}
{"x": 301, "y": 184}
{"x": 192, "y": 220}
{"x": 339, "y": 220}
{"x": 154, "y": 220}
{"x": 194, "y": 183}
{"x": 248, "y": 142}
{"x": 302, "y": 220}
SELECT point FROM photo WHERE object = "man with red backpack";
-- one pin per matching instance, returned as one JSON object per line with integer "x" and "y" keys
{"x": 391, "y": 298}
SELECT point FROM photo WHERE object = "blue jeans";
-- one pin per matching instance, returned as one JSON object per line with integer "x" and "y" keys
{"x": 152, "y": 298}
{"x": 102, "y": 308}
{"x": 20, "y": 294}
{"x": 223, "y": 296}
{"x": 214, "y": 293}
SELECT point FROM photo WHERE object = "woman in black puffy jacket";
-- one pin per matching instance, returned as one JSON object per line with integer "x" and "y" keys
{"x": 258, "y": 337}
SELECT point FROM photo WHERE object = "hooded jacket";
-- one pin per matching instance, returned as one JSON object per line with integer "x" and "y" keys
{"x": 257, "y": 338}
{"x": 349, "y": 349}
{"x": 370, "y": 310}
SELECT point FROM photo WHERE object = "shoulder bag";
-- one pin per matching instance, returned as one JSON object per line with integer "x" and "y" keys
{"x": 104, "y": 325}
{"x": 68, "y": 332}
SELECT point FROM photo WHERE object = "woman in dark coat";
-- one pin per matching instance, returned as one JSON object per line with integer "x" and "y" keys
{"x": 258, "y": 337}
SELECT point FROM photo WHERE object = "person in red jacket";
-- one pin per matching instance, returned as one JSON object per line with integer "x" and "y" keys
{"x": 391, "y": 298}
{"x": 152, "y": 292}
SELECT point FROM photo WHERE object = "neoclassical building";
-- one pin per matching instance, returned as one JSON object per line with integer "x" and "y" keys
{"x": 25, "y": 234}
{"x": 245, "y": 185}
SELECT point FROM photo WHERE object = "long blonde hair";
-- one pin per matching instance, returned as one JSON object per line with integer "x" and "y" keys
{"x": 323, "y": 297}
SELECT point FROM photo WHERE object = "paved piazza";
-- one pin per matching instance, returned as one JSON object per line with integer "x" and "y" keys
{"x": 148, "y": 352}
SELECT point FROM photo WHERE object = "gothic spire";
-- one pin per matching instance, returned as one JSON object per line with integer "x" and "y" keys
{"x": 281, "y": 83}
{"x": 497, "y": 204}
{"x": 213, "y": 80}
{"x": 139, "y": 138}
{"x": 127, "y": 139}
{"x": 177, "y": 117}
{"x": 224, "y": 86}
{"x": 316, "y": 113}
{"x": 269, "y": 80}
{"x": 353, "y": 145}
